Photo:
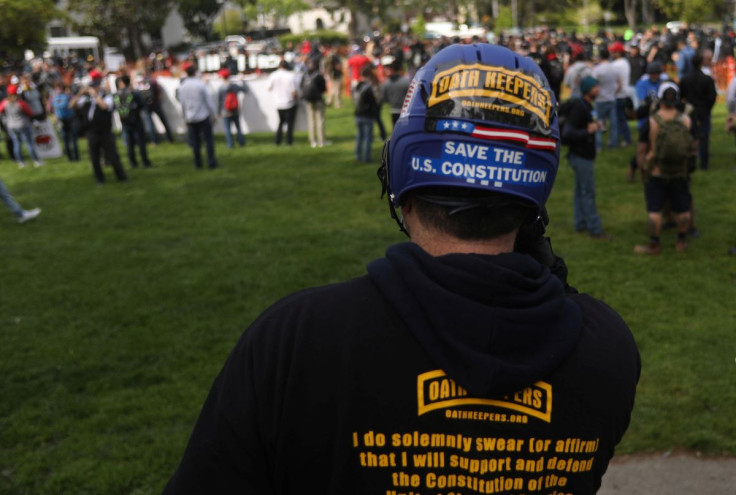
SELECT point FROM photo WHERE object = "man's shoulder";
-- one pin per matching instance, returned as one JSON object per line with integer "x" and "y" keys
{"x": 327, "y": 311}
{"x": 604, "y": 323}
{"x": 321, "y": 301}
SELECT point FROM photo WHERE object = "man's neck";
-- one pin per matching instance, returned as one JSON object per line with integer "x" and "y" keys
{"x": 439, "y": 245}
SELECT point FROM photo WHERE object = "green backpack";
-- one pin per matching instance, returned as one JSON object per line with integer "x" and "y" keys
{"x": 673, "y": 147}
{"x": 127, "y": 106}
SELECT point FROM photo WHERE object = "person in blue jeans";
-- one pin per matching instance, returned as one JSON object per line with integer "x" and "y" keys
{"x": 19, "y": 213}
{"x": 199, "y": 113}
{"x": 366, "y": 107}
{"x": 65, "y": 118}
{"x": 579, "y": 132}
{"x": 18, "y": 115}
{"x": 605, "y": 103}
{"x": 228, "y": 106}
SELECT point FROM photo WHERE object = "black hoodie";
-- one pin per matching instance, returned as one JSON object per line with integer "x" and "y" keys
{"x": 455, "y": 374}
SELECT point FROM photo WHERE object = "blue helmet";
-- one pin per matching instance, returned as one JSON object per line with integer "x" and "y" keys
{"x": 475, "y": 116}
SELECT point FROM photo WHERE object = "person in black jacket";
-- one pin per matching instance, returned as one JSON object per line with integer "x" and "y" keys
{"x": 459, "y": 362}
{"x": 366, "y": 109}
{"x": 580, "y": 128}
{"x": 699, "y": 90}
{"x": 95, "y": 106}
{"x": 130, "y": 106}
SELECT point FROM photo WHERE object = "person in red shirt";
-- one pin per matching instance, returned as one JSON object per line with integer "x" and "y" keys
{"x": 356, "y": 62}
{"x": 18, "y": 122}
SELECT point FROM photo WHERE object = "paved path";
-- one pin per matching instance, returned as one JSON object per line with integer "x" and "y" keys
{"x": 669, "y": 474}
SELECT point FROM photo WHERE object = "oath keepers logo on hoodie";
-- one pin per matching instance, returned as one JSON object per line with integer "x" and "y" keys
{"x": 436, "y": 391}
{"x": 489, "y": 93}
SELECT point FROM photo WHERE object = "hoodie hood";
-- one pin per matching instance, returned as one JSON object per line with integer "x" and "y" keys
{"x": 494, "y": 323}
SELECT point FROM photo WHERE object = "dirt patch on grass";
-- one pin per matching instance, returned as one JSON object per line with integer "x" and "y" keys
{"x": 670, "y": 473}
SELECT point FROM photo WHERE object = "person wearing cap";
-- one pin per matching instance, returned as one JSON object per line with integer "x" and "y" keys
{"x": 230, "y": 118}
{"x": 579, "y": 132}
{"x": 646, "y": 90}
{"x": 199, "y": 114}
{"x": 623, "y": 69}
{"x": 461, "y": 360}
{"x": 95, "y": 105}
{"x": 18, "y": 114}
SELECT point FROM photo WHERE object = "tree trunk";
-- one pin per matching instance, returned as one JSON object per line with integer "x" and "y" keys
{"x": 134, "y": 38}
{"x": 630, "y": 12}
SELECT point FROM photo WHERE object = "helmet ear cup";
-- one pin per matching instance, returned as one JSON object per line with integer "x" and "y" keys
{"x": 384, "y": 174}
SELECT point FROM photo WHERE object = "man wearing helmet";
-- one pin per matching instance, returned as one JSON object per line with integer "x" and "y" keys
{"x": 455, "y": 364}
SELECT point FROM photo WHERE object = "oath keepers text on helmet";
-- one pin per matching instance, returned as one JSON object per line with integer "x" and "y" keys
{"x": 491, "y": 93}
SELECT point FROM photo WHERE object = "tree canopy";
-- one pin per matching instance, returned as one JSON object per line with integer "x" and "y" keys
{"x": 115, "y": 20}
{"x": 23, "y": 26}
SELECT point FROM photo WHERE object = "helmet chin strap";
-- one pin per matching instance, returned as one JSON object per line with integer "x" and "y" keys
{"x": 383, "y": 175}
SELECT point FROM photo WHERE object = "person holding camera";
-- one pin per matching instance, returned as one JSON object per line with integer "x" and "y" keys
{"x": 461, "y": 358}
{"x": 94, "y": 106}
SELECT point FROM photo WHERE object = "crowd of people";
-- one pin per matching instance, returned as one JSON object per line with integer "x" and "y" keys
{"x": 603, "y": 82}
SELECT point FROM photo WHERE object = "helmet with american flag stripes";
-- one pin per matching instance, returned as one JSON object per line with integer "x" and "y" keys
{"x": 477, "y": 116}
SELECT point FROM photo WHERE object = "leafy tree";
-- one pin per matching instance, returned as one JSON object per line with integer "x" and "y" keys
{"x": 199, "y": 16}
{"x": 691, "y": 10}
{"x": 277, "y": 9}
{"x": 228, "y": 21}
{"x": 115, "y": 21}
{"x": 23, "y": 26}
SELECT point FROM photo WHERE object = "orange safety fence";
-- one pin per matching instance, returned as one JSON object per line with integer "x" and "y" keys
{"x": 722, "y": 73}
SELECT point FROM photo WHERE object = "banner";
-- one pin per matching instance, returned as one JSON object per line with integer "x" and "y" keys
{"x": 44, "y": 137}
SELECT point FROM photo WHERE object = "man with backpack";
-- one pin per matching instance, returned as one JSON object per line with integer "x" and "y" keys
{"x": 313, "y": 88}
{"x": 152, "y": 95}
{"x": 665, "y": 170}
{"x": 228, "y": 104}
{"x": 129, "y": 105}
{"x": 334, "y": 71}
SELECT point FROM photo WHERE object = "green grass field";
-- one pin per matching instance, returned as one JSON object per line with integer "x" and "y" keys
{"x": 119, "y": 304}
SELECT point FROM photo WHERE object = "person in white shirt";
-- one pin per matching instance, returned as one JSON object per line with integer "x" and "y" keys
{"x": 623, "y": 69}
{"x": 199, "y": 114}
{"x": 284, "y": 85}
{"x": 575, "y": 74}
{"x": 605, "y": 103}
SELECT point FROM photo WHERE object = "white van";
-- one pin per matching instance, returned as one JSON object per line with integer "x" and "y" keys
{"x": 82, "y": 45}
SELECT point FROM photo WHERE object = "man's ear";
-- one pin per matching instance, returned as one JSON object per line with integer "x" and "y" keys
{"x": 406, "y": 207}
{"x": 407, "y": 215}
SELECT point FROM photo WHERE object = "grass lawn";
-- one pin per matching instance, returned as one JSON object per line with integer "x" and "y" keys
{"x": 120, "y": 304}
